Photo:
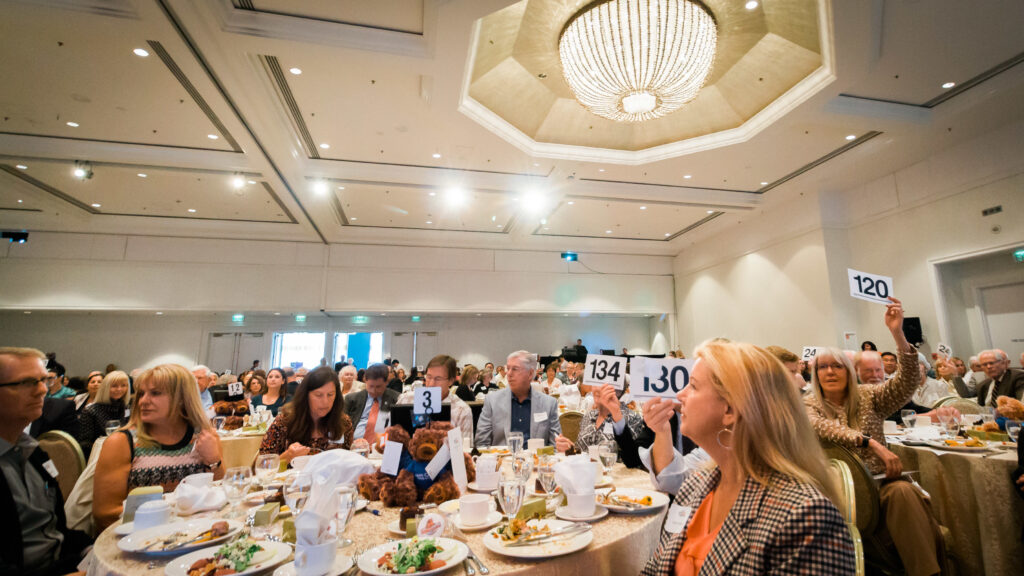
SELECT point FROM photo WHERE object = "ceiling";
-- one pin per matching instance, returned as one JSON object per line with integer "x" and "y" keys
{"x": 359, "y": 122}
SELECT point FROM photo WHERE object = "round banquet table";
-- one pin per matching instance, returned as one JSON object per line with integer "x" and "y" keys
{"x": 239, "y": 450}
{"x": 622, "y": 543}
{"x": 973, "y": 497}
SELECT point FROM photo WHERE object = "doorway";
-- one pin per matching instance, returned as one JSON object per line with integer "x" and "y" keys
{"x": 234, "y": 351}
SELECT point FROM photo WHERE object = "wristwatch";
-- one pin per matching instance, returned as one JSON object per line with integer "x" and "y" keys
{"x": 214, "y": 466}
{"x": 864, "y": 440}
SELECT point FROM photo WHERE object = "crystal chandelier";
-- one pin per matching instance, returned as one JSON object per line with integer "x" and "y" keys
{"x": 634, "y": 60}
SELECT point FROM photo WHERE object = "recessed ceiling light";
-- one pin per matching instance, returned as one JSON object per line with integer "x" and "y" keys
{"x": 687, "y": 176}
{"x": 159, "y": 313}
{"x": 668, "y": 233}
{"x": 320, "y": 187}
{"x": 600, "y": 169}
{"x": 764, "y": 183}
{"x": 643, "y": 207}
{"x": 433, "y": 193}
{"x": 20, "y": 200}
{"x": 499, "y": 225}
{"x": 277, "y": 313}
{"x": 429, "y": 222}
{"x": 212, "y": 136}
{"x": 607, "y": 231}
{"x": 436, "y": 155}
{"x": 751, "y": 5}
{"x": 251, "y": 181}
{"x": 95, "y": 205}
{"x": 21, "y": 167}
{"x": 341, "y": 187}
{"x": 192, "y": 210}
{"x": 73, "y": 124}
{"x": 141, "y": 175}
{"x": 140, "y": 52}
{"x": 535, "y": 164}
{"x": 851, "y": 136}
{"x": 353, "y": 219}
{"x": 949, "y": 85}
{"x": 238, "y": 182}
{"x": 295, "y": 71}
{"x": 325, "y": 145}
{"x": 79, "y": 172}
{"x": 711, "y": 211}
{"x": 455, "y": 197}
{"x": 571, "y": 202}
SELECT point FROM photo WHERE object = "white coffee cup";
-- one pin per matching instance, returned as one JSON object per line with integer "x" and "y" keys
{"x": 152, "y": 513}
{"x": 889, "y": 427}
{"x": 534, "y": 443}
{"x": 474, "y": 508}
{"x": 581, "y": 505}
{"x": 922, "y": 421}
{"x": 485, "y": 463}
{"x": 315, "y": 560}
{"x": 200, "y": 480}
{"x": 487, "y": 480}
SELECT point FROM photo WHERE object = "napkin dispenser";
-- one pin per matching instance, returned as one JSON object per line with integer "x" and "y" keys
{"x": 137, "y": 497}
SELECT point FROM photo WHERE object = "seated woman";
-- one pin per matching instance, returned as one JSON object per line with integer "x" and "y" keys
{"x": 314, "y": 421}
{"x": 549, "y": 381}
{"x": 486, "y": 383}
{"x": 275, "y": 395}
{"x": 255, "y": 386}
{"x": 167, "y": 438}
{"x": 766, "y": 506}
{"x": 469, "y": 380}
{"x": 852, "y": 415}
{"x": 92, "y": 387}
{"x": 111, "y": 403}
{"x": 609, "y": 419}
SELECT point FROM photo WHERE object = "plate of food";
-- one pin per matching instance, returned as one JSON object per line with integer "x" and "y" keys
{"x": 499, "y": 450}
{"x": 538, "y": 538}
{"x": 632, "y": 500}
{"x": 179, "y": 537}
{"x": 953, "y": 445}
{"x": 421, "y": 556}
{"x": 238, "y": 557}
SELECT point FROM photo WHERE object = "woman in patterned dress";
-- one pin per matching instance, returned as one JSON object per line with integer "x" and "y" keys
{"x": 313, "y": 421}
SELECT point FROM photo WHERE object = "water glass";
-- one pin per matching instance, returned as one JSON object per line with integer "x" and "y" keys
{"x": 510, "y": 494}
{"x": 361, "y": 446}
{"x": 609, "y": 455}
{"x": 111, "y": 426}
{"x": 523, "y": 465}
{"x": 546, "y": 476}
{"x": 236, "y": 484}
{"x": 1013, "y": 429}
{"x": 347, "y": 498}
{"x": 296, "y": 493}
{"x": 515, "y": 442}
{"x": 908, "y": 417}
{"x": 266, "y": 466}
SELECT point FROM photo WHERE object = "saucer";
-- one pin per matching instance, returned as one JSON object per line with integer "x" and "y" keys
{"x": 493, "y": 518}
{"x": 341, "y": 564}
{"x": 599, "y": 512}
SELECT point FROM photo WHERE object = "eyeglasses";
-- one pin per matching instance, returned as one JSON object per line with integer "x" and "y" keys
{"x": 28, "y": 382}
{"x": 987, "y": 364}
{"x": 836, "y": 367}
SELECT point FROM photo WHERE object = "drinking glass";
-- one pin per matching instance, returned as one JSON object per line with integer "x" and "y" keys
{"x": 361, "y": 446}
{"x": 296, "y": 493}
{"x": 609, "y": 455}
{"x": 111, "y": 426}
{"x": 944, "y": 419}
{"x": 546, "y": 477}
{"x": 511, "y": 492}
{"x": 1013, "y": 429}
{"x": 347, "y": 498}
{"x": 523, "y": 466}
{"x": 908, "y": 417}
{"x": 235, "y": 484}
{"x": 952, "y": 427}
{"x": 266, "y": 466}
{"x": 515, "y": 442}
{"x": 218, "y": 422}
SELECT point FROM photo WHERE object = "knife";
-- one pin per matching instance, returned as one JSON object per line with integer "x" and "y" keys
{"x": 574, "y": 530}
{"x": 480, "y": 565}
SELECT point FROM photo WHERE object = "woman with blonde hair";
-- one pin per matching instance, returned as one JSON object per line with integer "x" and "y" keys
{"x": 112, "y": 402}
{"x": 166, "y": 439}
{"x": 767, "y": 501}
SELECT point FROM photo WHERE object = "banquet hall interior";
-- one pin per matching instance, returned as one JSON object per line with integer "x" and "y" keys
{"x": 218, "y": 182}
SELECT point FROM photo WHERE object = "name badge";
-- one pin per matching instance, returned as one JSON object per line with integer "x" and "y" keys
{"x": 540, "y": 416}
{"x": 676, "y": 518}
{"x": 127, "y": 412}
{"x": 609, "y": 430}
{"x": 50, "y": 468}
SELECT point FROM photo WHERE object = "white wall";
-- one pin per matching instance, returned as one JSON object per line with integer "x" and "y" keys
{"x": 961, "y": 283}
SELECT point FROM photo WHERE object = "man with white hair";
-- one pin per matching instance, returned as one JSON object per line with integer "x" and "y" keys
{"x": 518, "y": 408}
{"x": 869, "y": 367}
{"x": 204, "y": 379}
{"x": 1002, "y": 380}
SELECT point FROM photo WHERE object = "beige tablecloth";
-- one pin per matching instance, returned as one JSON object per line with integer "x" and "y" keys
{"x": 622, "y": 544}
{"x": 973, "y": 497}
{"x": 239, "y": 450}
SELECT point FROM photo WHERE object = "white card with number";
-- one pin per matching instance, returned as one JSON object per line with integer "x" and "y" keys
{"x": 870, "y": 287}
{"x": 235, "y": 389}
{"x": 392, "y": 458}
{"x": 438, "y": 462}
{"x": 459, "y": 461}
{"x": 426, "y": 400}
{"x": 600, "y": 370}
{"x": 663, "y": 378}
{"x": 944, "y": 350}
{"x": 809, "y": 353}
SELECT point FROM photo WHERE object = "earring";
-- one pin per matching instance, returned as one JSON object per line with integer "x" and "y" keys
{"x": 718, "y": 438}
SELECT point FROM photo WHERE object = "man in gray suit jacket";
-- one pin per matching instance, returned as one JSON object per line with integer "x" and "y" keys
{"x": 519, "y": 408}
{"x": 359, "y": 405}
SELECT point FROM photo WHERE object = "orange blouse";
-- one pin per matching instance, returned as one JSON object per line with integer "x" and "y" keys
{"x": 700, "y": 536}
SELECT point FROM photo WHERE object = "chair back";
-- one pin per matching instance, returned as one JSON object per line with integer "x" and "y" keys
{"x": 866, "y": 503}
{"x": 67, "y": 456}
{"x": 570, "y": 421}
{"x": 964, "y": 405}
{"x": 847, "y": 492}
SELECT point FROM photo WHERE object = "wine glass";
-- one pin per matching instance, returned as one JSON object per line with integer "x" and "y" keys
{"x": 361, "y": 446}
{"x": 266, "y": 466}
{"x": 1013, "y": 429}
{"x": 908, "y": 417}
{"x": 511, "y": 492}
{"x": 515, "y": 442}
{"x": 546, "y": 476}
{"x": 944, "y": 418}
{"x": 236, "y": 483}
{"x": 347, "y": 499}
{"x": 111, "y": 426}
{"x": 609, "y": 455}
{"x": 296, "y": 493}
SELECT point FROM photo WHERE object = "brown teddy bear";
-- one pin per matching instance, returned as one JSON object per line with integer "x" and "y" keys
{"x": 1010, "y": 407}
{"x": 413, "y": 484}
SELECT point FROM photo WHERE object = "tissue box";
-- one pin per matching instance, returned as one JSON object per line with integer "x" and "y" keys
{"x": 266, "y": 514}
{"x": 137, "y": 497}
{"x": 534, "y": 508}
{"x": 288, "y": 531}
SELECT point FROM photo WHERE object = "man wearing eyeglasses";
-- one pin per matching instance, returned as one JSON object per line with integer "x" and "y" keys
{"x": 520, "y": 408}
{"x": 440, "y": 373}
{"x": 55, "y": 387}
{"x": 1002, "y": 380}
{"x": 33, "y": 537}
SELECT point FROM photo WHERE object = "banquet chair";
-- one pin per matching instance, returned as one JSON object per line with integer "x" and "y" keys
{"x": 67, "y": 456}
{"x": 964, "y": 405}
{"x": 570, "y": 421}
{"x": 848, "y": 508}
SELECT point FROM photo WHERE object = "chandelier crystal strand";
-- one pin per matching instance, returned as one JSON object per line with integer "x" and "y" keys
{"x": 634, "y": 60}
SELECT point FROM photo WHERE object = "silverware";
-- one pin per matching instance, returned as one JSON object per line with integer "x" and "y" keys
{"x": 568, "y": 531}
{"x": 468, "y": 567}
{"x": 200, "y": 536}
{"x": 480, "y": 565}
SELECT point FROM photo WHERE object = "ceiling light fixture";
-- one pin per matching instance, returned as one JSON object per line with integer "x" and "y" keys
{"x": 533, "y": 201}
{"x": 320, "y": 187}
{"x": 851, "y": 136}
{"x": 191, "y": 210}
{"x": 21, "y": 167}
{"x": 95, "y": 205}
{"x": 634, "y": 60}
{"x": 455, "y": 197}
{"x": 949, "y": 85}
{"x": 212, "y": 136}
{"x": 432, "y": 194}
{"x": 141, "y": 175}
{"x": 607, "y": 231}
{"x": 325, "y": 145}
{"x": 20, "y": 200}
{"x": 436, "y": 155}
{"x": 668, "y": 233}
{"x": 237, "y": 182}
{"x": 600, "y": 169}
{"x": 643, "y": 207}
{"x": 295, "y": 71}
{"x": 687, "y": 176}
{"x": 140, "y": 52}
{"x": 571, "y": 202}
{"x": 750, "y": 5}
{"x": 82, "y": 171}
{"x": 73, "y": 124}
{"x": 764, "y": 183}
{"x": 711, "y": 211}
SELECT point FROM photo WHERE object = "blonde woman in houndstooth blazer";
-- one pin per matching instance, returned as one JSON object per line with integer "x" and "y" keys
{"x": 765, "y": 506}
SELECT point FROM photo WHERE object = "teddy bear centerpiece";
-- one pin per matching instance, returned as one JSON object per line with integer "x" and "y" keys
{"x": 413, "y": 484}
{"x": 234, "y": 413}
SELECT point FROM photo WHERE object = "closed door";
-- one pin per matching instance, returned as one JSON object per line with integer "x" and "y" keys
{"x": 251, "y": 346}
{"x": 1003, "y": 311}
{"x": 426, "y": 347}
{"x": 234, "y": 351}
{"x": 401, "y": 348}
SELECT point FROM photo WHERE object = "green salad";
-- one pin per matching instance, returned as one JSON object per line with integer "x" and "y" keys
{"x": 238, "y": 553}
{"x": 415, "y": 556}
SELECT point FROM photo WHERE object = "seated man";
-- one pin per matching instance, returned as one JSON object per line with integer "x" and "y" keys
{"x": 364, "y": 406}
{"x": 204, "y": 378}
{"x": 58, "y": 414}
{"x": 1001, "y": 379}
{"x": 889, "y": 364}
{"x": 870, "y": 370}
{"x": 33, "y": 537}
{"x": 440, "y": 373}
{"x": 518, "y": 408}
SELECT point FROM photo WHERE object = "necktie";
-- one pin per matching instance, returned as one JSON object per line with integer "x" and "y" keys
{"x": 371, "y": 423}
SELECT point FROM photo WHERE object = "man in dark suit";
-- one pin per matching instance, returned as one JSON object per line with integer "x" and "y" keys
{"x": 58, "y": 414}
{"x": 364, "y": 407}
{"x": 1002, "y": 380}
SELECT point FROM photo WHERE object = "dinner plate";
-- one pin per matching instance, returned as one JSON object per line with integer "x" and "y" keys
{"x": 449, "y": 507}
{"x": 603, "y": 481}
{"x": 341, "y": 564}
{"x": 944, "y": 446}
{"x": 658, "y": 501}
{"x": 136, "y": 541}
{"x": 476, "y": 488}
{"x": 599, "y": 512}
{"x": 493, "y": 518}
{"x": 124, "y": 529}
{"x": 280, "y": 552}
{"x": 492, "y": 541}
{"x": 368, "y": 560}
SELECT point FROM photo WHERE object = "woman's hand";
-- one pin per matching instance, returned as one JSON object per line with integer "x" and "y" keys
{"x": 296, "y": 449}
{"x": 657, "y": 414}
{"x": 208, "y": 446}
{"x": 563, "y": 444}
{"x": 893, "y": 466}
{"x": 605, "y": 398}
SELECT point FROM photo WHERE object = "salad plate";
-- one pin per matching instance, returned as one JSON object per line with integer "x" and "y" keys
{"x": 413, "y": 553}
{"x": 270, "y": 554}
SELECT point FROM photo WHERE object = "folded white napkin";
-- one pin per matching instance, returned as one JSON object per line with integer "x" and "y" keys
{"x": 923, "y": 433}
{"x": 576, "y": 475}
{"x": 316, "y": 523}
{"x": 348, "y": 465}
{"x": 190, "y": 499}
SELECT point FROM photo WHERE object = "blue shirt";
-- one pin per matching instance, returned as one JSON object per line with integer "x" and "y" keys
{"x": 206, "y": 399}
{"x": 520, "y": 416}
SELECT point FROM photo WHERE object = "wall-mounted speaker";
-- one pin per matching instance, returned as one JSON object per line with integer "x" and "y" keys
{"x": 912, "y": 329}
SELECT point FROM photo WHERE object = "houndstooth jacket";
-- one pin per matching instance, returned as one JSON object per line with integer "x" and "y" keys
{"x": 786, "y": 528}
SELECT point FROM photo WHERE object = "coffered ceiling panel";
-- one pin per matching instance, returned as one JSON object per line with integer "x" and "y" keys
{"x": 126, "y": 190}
{"x": 78, "y": 77}
{"x": 401, "y": 15}
{"x": 382, "y": 205}
{"x": 14, "y": 198}
{"x": 622, "y": 219}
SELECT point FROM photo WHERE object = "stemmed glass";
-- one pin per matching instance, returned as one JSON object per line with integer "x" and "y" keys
{"x": 515, "y": 442}
{"x": 609, "y": 455}
{"x": 111, "y": 426}
{"x": 266, "y": 466}
{"x": 511, "y": 491}
{"x": 944, "y": 419}
{"x": 347, "y": 499}
{"x": 908, "y": 417}
{"x": 546, "y": 477}
{"x": 236, "y": 483}
{"x": 1013, "y": 429}
{"x": 296, "y": 493}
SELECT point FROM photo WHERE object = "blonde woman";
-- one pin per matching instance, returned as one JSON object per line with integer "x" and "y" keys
{"x": 166, "y": 439}
{"x": 766, "y": 503}
{"x": 112, "y": 402}
{"x": 851, "y": 415}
